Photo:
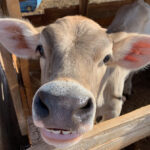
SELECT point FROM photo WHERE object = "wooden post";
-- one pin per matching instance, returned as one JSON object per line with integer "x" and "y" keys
{"x": 11, "y": 76}
{"x": 11, "y": 8}
{"x": 83, "y": 7}
{"x": 113, "y": 134}
{"x": 10, "y": 137}
{"x": 24, "y": 66}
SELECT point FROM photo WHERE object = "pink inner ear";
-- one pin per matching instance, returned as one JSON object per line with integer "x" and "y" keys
{"x": 17, "y": 35}
{"x": 139, "y": 49}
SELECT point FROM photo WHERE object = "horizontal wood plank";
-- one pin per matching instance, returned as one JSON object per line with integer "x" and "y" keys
{"x": 113, "y": 134}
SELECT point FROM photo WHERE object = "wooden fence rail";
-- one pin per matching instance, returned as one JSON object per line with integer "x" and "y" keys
{"x": 113, "y": 134}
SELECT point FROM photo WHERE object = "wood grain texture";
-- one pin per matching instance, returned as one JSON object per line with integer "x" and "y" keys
{"x": 11, "y": 75}
{"x": 11, "y": 8}
{"x": 113, "y": 134}
{"x": 24, "y": 66}
{"x": 10, "y": 137}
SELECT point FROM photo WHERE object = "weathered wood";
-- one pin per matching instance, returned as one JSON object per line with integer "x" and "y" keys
{"x": 11, "y": 75}
{"x": 113, "y": 134}
{"x": 24, "y": 66}
{"x": 96, "y": 12}
{"x": 11, "y": 8}
{"x": 35, "y": 74}
{"x": 14, "y": 11}
{"x": 10, "y": 137}
{"x": 24, "y": 99}
{"x": 83, "y": 7}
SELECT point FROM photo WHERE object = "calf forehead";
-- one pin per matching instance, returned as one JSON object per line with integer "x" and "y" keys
{"x": 76, "y": 32}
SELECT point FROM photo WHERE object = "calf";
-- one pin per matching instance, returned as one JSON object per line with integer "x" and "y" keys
{"x": 76, "y": 55}
{"x": 132, "y": 18}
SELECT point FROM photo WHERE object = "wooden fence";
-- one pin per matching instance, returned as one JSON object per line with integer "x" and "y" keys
{"x": 113, "y": 134}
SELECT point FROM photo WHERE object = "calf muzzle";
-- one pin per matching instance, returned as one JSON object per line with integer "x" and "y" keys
{"x": 62, "y": 108}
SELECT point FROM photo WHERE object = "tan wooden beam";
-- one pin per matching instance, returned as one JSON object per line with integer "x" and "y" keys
{"x": 14, "y": 11}
{"x": 6, "y": 61}
{"x": 113, "y": 134}
{"x": 11, "y": 8}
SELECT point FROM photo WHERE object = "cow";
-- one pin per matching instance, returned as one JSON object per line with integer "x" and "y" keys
{"x": 76, "y": 58}
{"x": 131, "y": 18}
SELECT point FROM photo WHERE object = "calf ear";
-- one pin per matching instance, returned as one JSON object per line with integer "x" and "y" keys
{"x": 19, "y": 37}
{"x": 132, "y": 51}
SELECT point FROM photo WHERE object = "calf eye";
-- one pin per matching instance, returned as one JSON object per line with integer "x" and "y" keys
{"x": 107, "y": 58}
{"x": 40, "y": 49}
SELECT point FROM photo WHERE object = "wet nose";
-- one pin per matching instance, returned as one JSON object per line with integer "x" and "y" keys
{"x": 60, "y": 101}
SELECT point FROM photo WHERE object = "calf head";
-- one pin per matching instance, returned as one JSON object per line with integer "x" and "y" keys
{"x": 74, "y": 53}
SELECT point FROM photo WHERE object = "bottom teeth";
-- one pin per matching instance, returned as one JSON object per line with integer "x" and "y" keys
{"x": 66, "y": 132}
{"x": 60, "y": 132}
{"x": 55, "y": 131}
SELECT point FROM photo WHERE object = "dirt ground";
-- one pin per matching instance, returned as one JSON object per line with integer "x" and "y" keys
{"x": 141, "y": 81}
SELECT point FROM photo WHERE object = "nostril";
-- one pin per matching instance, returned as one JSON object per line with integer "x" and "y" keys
{"x": 88, "y": 105}
{"x": 42, "y": 105}
{"x": 99, "y": 119}
{"x": 84, "y": 113}
{"x": 41, "y": 108}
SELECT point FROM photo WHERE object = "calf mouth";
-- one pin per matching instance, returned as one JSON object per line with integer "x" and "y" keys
{"x": 60, "y": 138}
{"x": 63, "y": 111}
